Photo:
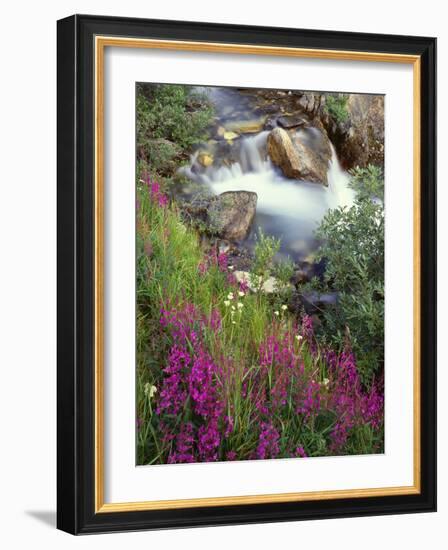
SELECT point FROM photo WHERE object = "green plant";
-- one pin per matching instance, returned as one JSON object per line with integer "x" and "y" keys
{"x": 162, "y": 155}
{"x": 368, "y": 182}
{"x": 336, "y": 107}
{"x": 220, "y": 374}
{"x": 353, "y": 249}
{"x": 283, "y": 271}
{"x": 266, "y": 373}
{"x": 266, "y": 247}
{"x": 170, "y": 119}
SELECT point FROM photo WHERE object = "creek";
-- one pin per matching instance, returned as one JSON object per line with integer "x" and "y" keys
{"x": 288, "y": 209}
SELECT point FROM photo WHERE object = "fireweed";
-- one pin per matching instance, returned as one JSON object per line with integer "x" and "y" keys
{"x": 233, "y": 380}
{"x": 213, "y": 258}
{"x": 289, "y": 401}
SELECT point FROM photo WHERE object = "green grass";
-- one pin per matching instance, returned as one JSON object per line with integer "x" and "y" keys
{"x": 174, "y": 272}
{"x": 170, "y": 274}
{"x": 168, "y": 260}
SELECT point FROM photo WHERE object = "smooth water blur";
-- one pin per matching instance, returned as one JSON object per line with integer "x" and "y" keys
{"x": 288, "y": 209}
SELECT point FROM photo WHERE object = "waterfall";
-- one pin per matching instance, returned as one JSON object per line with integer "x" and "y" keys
{"x": 341, "y": 194}
{"x": 252, "y": 160}
{"x": 288, "y": 209}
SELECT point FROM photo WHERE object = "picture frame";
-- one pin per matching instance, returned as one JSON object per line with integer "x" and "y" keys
{"x": 82, "y": 43}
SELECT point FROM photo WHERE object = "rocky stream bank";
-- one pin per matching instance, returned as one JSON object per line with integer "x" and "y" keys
{"x": 278, "y": 160}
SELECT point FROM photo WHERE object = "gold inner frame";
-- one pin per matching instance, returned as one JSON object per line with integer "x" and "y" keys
{"x": 101, "y": 42}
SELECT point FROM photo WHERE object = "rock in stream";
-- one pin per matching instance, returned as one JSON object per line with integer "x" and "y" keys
{"x": 295, "y": 158}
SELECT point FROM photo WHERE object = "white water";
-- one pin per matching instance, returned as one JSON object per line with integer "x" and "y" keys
{"x": 286, "y": 208}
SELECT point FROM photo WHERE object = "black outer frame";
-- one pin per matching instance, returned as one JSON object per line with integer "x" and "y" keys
{"x": 75, "y": 297}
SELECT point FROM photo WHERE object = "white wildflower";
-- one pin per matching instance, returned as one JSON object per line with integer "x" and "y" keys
{"x": 150, "y": 390}
{"x": 233, "y": 308}
{"x": 241, "y": 294}
{"x": 239, "y": 305}
{"x": 230, "y": 267}
{"x": 276, "y": 313}
{"x": 230, "y": 296}
{"x": 299, "y": 337}
{"x": 284, "y": 307}
{"x": 233, "y": 322}
{"x": 325, "y": 382}
{"x": 227, "y": 303}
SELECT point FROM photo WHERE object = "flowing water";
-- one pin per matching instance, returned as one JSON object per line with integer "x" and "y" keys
{"x": 288, "y": 209}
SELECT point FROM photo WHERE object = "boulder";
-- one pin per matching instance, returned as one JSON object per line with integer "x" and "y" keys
{"x": 295, "y": 158}
{"x": 315, "y": 142}
{"x": 361, "y": 137}
{"x": 229, "y": 136}
{"x": 205, "y": 159}
{"x": 252, "y": 126}
{"x": 291, "y": 121}
{"x": 230, "y": 215}
{"x": 309, "y": 102}
{"x": 269, "y": 286}
{"x": 283, "y": 153}
{"x": 359, "y": 140}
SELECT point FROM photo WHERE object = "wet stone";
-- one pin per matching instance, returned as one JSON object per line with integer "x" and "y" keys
{"x": 291, "y": 121}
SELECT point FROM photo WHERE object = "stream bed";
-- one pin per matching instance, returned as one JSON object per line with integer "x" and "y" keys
{"x": 288, "y": 209}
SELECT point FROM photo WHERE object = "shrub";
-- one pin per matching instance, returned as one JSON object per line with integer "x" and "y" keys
{"x": 266, "y": 247}
{"x": 336, "y": 107}
{"x": 353, "y": 249}
{"x": 283, "y": 272}
{"x": 368, "y": 182}
{"x": 169, "y": 118}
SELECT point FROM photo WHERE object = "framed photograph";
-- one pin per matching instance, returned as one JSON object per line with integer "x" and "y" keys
{"x": 246, "y": 274}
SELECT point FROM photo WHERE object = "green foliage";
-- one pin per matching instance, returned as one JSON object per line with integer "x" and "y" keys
{"x": 368, "y": 182}
{"x": 169, "y": 273}
{"x": 172, "y": 268}
{"x": 336, "y": 107}
{"x": 162, "y": 155}
{"x": 353, "y": 248}
{"x": 170, "y": 119}
{"x": 168, "y": 260}
{"x": 283, "y": 272}
{"x": 266, "y": 247}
